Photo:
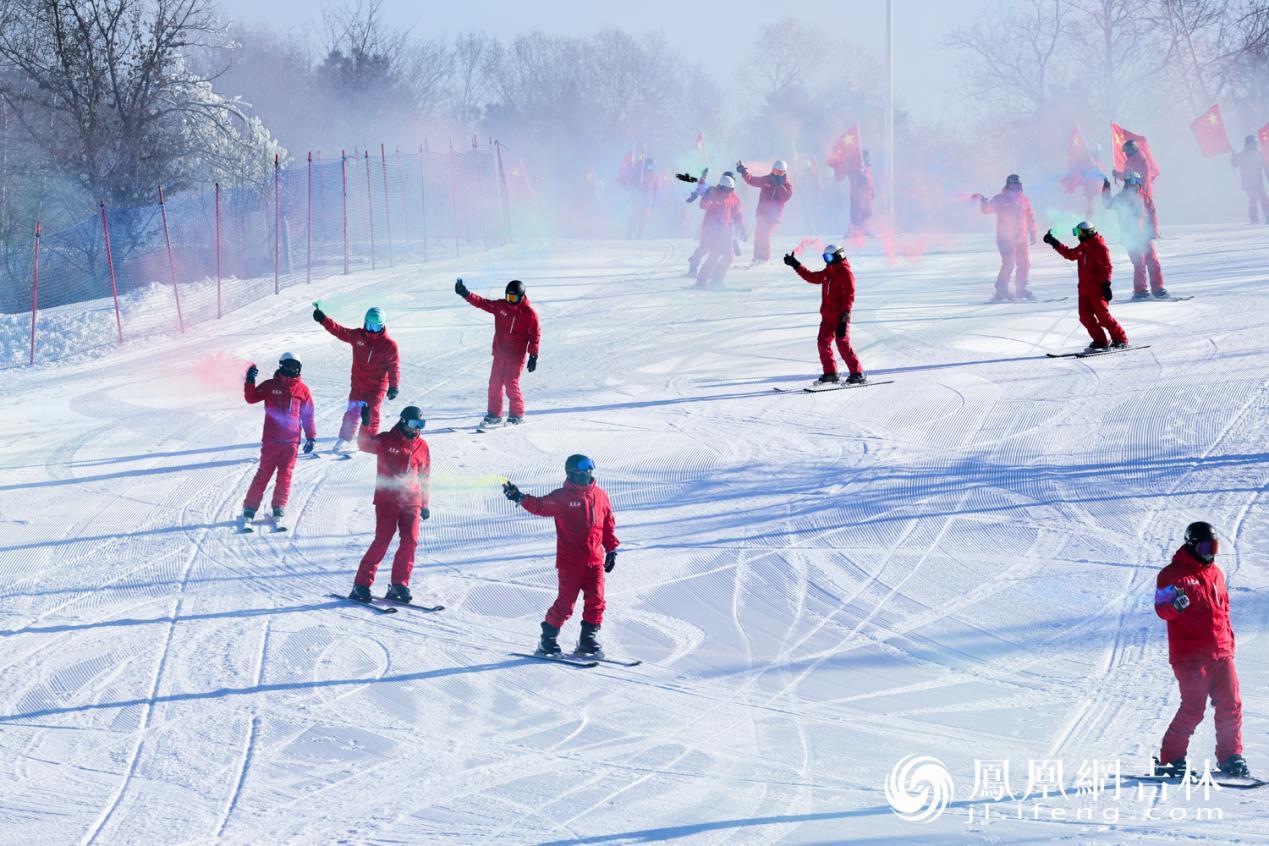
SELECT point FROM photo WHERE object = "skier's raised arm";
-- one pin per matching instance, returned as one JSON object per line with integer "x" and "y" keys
{"x": 249, "y": 391}
{"x": 475, "y": 299}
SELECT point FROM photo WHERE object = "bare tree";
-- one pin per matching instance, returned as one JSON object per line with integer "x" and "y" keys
{"x": 103, "y": 88}
{"x": 785, "y": 55}
{"x": 1016, "y": 55}
{"x": 1119, "y": 50}
{"x": 474, "y": 57}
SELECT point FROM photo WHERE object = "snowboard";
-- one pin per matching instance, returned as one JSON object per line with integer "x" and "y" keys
{"x": 819, "y": 388}
{"x": 1086, "y": 354}
{"x": 1160, "y": 300}
{"x": 559, "y": 659}
{"x": 379, "y": 609}
{"x": 1219, "y": 778}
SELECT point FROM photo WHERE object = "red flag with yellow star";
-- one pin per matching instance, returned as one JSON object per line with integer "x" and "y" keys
{"x": 1209, "y": 129}
{"x": 1079, "y": 162}
{"x": 1119, "y": 135}
{"x": 847, "y": 153}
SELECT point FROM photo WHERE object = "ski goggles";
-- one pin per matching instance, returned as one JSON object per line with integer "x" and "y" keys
{"x": 514, "y": 298}
{"x": 415, "y": 424}
{"x": 374, "y": 326}
{"x": 1207, "y": 549}
{"x": 585, "y": 466}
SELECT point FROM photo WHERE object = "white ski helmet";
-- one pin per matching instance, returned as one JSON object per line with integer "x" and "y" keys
{"x": 833, "y": 253}
{"x": 726, "y": 182}
{"x": 778, "y": 166}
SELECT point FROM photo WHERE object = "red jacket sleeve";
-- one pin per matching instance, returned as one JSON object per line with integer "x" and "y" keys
{"x": 848, "y": 293}
{"x": 757, "y": 181}
{"x": 343, "y": 333}
{"x": 367, "y": 442}
{"x": 1068, "y": 253}
{"x": 610, "y": 529}
{"x": 394, "y": 366}
{"x": 482, "y": 303}
{"x": 306, "y": 414}
{"x": 543, "y": 506}
{"x": 1163, "y": 595}
{"x": 783, "y": 192}
{"x": 1030, "y": 215}
{"x": 535, "y": 331}
{"x": 252, "y": 394}
{"x": 425, "y": 474}
{"x": 815, "y": 277}
{"x": 988, "y": 206}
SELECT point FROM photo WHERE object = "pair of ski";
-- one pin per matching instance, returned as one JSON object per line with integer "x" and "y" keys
{"x": 822, "y": 387}
{"x": 245, "y": 528}
{"x": 1092, "y": 353}
{"x": 389, "y": 608}
{"x": 577, "y": 659}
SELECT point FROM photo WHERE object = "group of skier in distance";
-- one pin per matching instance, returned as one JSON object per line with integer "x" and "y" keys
{"x": 1191, "y": 592}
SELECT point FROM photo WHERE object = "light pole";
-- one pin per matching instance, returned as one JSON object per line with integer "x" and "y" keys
{"x": 890, "y": 198}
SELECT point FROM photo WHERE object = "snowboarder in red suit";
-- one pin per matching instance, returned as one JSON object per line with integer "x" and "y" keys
{"x": 1191, "y": 595}
{"x": 1092, "y": 258}
{"x": 775, "y": 191}
{"x": 1138, "y": 236}
{"x": 1254, "y": 174}
{"x": 375, "y": 370}
{"x": 288, "y": 410}
{"x": 585, "y": 549}
{"x": 516, "y": 335}
{"x": 724, "y": 220}
{"x": 401, "y": 499}
{"x": 837, "y": 298}
{"x": 1015, "y": 232}
{"x": 1136, "y": 162}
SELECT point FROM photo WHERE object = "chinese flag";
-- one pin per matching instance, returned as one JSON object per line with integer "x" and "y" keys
{"x": 1209, "y": 129}
{"x": 1078, "y": 161}
{"x": 1263, "y": 135}
{"x": 1118, "y": 136}
{"x": 847, "y": 153}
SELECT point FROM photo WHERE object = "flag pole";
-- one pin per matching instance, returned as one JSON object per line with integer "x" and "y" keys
{"x": 890, "y": 163}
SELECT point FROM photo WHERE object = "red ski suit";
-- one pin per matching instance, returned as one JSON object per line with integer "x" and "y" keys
{"x": 288, "y": 409}
{"x": 1137, "y": 163}
{"x": 772, "y": 196}
{"x": 584, "y": 531}
{"x": 1138, "y": 235}
{"x": 401, "y": 490}
{"x": 1253, "y": 173}
{"x": 516, "y": 335}
{"x": 1092, "y": 258}
{"x": 1201, "y": 651}
{"x": 1015, "y": 231}
{"x": 837, "y": 298}
{"x": 375, "y": 368}
{"x": 723, "y": 219}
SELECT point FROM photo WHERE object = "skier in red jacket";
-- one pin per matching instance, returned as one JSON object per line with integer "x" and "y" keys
{"x": 775, "y": 191}
{"x": 1092, "y": 258}
{"x": 375, "y": 370}
{"x": 401, "y": 499}
{"x": 1135, "y": 161}
{"x": 585, "y": 549}
{"x": 723, "y": 221}
{"x": 1191, "y": 595}
{"x": 516, "y": 335}
{"x": 1138, "y": 236}
{"x": 1015, "y": 231}
{"x": 1254, "y": 173}
{"x": 288, "y": 409}
{"x": 837, "y": 298}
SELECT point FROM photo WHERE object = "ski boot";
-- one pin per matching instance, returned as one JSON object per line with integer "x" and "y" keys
{"x": 827, "y": 379}
{"x": 587, "y": 645}
{"x": 1162, "y": 294}
{"x": 1024, "y": 295}
{"x": 248, "y": 514}
{"x": 360, "y": 593}
{"x": 548, "y": 645}
{"x": 1177, "y": 768}
{"x": 1096, "y": 347}
{"x": 512, "y": 420}
{"x": 1002, "y": 297}
{"x": 399, "y": 593}
{"x": 340, "y": 447}
{"x": 857, "y": 378}
{"x": 1235, "y": 766}
{"x": 279, "y": 520}
{"x": 1138, "y": 296}
{"x": 1119, "y": 345}
{"x": 489, "y": 422}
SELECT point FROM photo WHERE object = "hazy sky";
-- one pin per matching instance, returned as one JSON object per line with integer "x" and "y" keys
{"x": 719, "y": 33}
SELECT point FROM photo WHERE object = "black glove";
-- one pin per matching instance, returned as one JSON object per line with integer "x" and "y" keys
{"x": 461, "y": 289}
{"x": 252, "y": 373}
{"x": 365, "y": 414}
{"x": 308, "y": 446}
{"x": 392, "y": 392}
{"x": 741, "y": 169}
{"x": 792, "y": 260}
{"x": 319, "y": 315}
{"x": 841, "y": 326}
{"x": 1050, "y": 240}
{"x": 533, "y": 363}
{"x": 425, "y": 513}
{"x": 511, "y": 492}
{"x": 1107, "y": 293}
{"x": 610, "y": 560}
{"x": 684, "y": 177}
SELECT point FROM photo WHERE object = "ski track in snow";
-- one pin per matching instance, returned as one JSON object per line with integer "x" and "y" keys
{"x": 959, "y": 564}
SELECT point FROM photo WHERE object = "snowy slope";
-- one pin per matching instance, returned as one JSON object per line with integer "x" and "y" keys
{"x": 959, "y": 564}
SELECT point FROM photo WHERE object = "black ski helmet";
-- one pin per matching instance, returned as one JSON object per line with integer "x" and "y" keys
{"x": 1201, "y": 540}
{"x": 579, "y": 469}
{"x": 289, "y": 365}
{"x": 515, "y": 286}
{"x": 412, "y": 419}
{"x": 1013, "y": 179}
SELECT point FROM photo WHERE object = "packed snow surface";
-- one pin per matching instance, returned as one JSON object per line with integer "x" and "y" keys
{"x": 959, "y": 564}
